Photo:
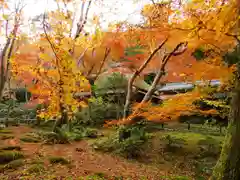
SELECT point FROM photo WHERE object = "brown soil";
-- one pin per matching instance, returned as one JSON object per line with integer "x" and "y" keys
{"x": 85, "y": 161}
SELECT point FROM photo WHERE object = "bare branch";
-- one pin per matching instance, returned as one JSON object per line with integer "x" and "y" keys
{"x": 107, "y": 52}
{"x": 48, "y": 39}
{"x": 150, "y": 57}
{"x": 82, "y": 22}
{"x": 80, "y": 59}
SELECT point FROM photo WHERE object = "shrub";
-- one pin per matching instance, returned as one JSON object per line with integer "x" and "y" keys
{"x": 129, "y": 146}
{"x": 79, "y": 133}
{"x": 59, "y": 137}
{"x": 22, "y": 95}
{"x": 108, "y": 103}
{"x": 173, "y": 144}
{"x": 58, "y": 160}
{"x": 97, "y": 112}
{"x": 72, "y": 136}
{"x": 3, "y": 110}
{"x": 64, "y": 136}
{"x": 108, "y": 144}
{"x": 90, "y": 133}
{"x": 17, "y": 112}
{"x": 3, "y": 106}
{"x": 112, "y": 82}
{"x": 8, "y": 156}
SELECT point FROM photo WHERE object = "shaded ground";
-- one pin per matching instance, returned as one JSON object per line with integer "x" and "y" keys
{"x": 83, "y": 161}
{"x": 170, "y": 152}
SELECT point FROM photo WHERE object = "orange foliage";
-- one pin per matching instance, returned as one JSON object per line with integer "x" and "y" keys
{"x": 93, "y": 48}
{"x": 183, "y": 64}
{"x": 170, "y": 110}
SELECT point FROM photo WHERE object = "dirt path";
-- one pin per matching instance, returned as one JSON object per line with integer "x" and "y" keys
{"x": 85, "y": 161}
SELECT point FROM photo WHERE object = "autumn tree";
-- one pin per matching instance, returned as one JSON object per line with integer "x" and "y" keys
{"x": 11, "y": 23}
{"x": 56, "y": 67}
{"x": 199, "y": 70}
{"x": 151, "y": 29}
{"x": 217, "y": 23}
{"x": 54, "y": 70}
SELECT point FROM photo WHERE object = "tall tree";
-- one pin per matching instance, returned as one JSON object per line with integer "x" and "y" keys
{"x": 12, "y": 20}
{"x": 54, "y": 69}
{"x": 215, "y": 22}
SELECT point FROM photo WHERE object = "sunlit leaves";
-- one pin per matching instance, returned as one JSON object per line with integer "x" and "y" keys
{"x": 45, "y": 57}
{"x": 157, "y": 14}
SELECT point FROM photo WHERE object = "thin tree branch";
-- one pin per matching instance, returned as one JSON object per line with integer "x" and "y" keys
{"x": 48, "y": 39}
{"x": 178, "y": 50}
{"x": 80, "y": 59}
{"x": 107, "y": 52}
{"x": 150, "y": 57}
{"x": 134, "y": 76}
{"x": 90, "y": 70}
{"x": 81, "y": 25}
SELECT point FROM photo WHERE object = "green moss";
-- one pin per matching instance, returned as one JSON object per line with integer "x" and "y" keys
{"x": 37, "y": 161}
{"x": 8, "y": 156}
{"x": 10, "y": 148}
{"x": 5, "y": 131}
{"x": 58, "y": 160}
{"x": 36, "y": 168}
{"x": 221, "y": 163}
{"x": 14, "y": 164}
{"x": 6, "y": 136}
{"x": 30, "y": 139}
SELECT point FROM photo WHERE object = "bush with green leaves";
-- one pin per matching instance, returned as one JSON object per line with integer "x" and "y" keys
{"x": 128, "y": 142}
{"x": 110, "y": 82}
{"x": 3, "y": 110}
{"x": 61, "y": 136}
{"x": 97, "y": 112}
{"x": 173, "y": 144}
{"x": 8, "y": 156}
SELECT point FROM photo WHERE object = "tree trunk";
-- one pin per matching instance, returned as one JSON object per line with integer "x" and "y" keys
{"x": 129, "y": 96}
{"x": 5, "y": 62}
{"x": 152, "y": 89}
{"x": 38, "y": 121}
{"x": 179, "y": 49}
{"x": 63, "y": 120}
{"x": 228, "y": 165}
{"x": 134, "y": 76}
{"x": 2, "y": 85}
